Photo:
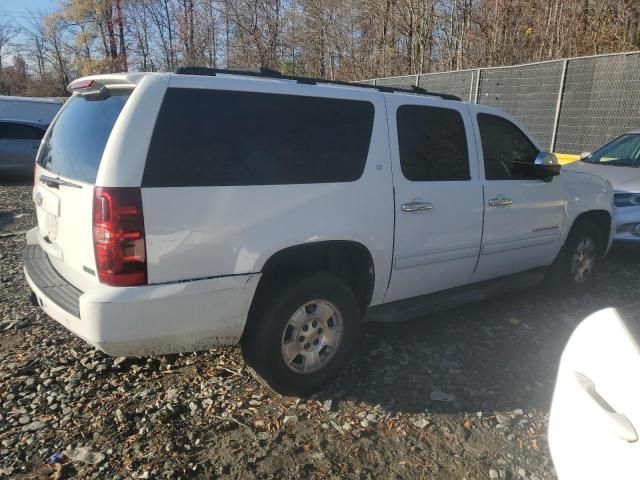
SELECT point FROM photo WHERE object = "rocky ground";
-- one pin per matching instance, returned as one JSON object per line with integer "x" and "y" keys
{"x": 462, "y": 394}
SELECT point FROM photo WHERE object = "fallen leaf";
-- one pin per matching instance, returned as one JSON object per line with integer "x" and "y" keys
{"x": 468, "y": 424}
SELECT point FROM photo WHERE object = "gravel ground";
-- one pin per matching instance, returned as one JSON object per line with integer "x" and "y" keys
{"x": 462, "y": 394}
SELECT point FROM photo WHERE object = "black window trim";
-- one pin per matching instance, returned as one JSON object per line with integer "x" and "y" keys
{"x": 470, "y": 154}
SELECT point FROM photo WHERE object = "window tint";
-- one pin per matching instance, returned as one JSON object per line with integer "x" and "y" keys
{"x": 508, "y": 153}
{"x": 19, "y": 131}
{"x": 433, "y": 143}
{"x": 219, "y": 138}
{"x": 74, "y": 145}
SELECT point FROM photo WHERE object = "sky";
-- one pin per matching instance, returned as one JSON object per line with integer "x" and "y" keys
{"x": 21, "y": 8}
{"x": 22, "y": 11}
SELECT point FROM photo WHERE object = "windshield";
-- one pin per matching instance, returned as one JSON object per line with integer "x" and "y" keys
{"x": 74, "y": 145}
{"x": 624, "y": 151}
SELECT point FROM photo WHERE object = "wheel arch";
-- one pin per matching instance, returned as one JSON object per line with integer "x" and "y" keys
{"x": 600, "y": 218}
{"x": 348, "y": 260}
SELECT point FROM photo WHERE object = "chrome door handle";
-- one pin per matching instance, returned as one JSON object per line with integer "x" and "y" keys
{"x": 500, "y": 202}
{"x": 416, "y": 206}
{"x": 617, "y": 422}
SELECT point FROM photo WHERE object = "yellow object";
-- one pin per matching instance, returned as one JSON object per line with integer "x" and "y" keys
{"x": 564, "y": 158}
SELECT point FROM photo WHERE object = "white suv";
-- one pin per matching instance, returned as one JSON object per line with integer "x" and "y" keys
{"x": 181, "y": 211}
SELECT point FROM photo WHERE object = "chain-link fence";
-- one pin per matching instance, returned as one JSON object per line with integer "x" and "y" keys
{"x": 571, "y": 105}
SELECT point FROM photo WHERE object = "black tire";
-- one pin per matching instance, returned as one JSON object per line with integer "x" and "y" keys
{"x": 564, "y": 273}
{"x": 265, "y": 333}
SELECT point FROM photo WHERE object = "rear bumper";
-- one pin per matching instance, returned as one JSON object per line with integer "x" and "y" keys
{"x": 149, "y": 320}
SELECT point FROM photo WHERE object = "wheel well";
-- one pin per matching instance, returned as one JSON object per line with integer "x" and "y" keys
{"x": 348, "y": 260}
{"x": 600, "y": 218}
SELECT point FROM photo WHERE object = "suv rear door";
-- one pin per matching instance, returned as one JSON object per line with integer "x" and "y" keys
{"x": 67, "y": 166}
{"x": 438, "y": 195}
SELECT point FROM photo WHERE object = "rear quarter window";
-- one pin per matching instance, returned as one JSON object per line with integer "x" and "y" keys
{"x": 225, "y": 138}
{"x": 74, "y": 145}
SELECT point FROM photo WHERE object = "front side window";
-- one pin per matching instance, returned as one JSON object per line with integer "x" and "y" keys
{"x": 19, "y": 131}
{"x": 624, "y": 151}
{"x": 225, "y": 138}
{"x": 508, "y": 152}
{"x": 432, "y": 143}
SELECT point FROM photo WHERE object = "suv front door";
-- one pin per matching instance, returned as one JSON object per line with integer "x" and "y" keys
{"x": 523, "y": 214}
{"x": 438, "y": 195}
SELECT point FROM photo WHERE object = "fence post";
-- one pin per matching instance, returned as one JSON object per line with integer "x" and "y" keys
{"x": 475, "y": 95}
{"x": 417, "y": 78}
{"x": 556, "y": 119}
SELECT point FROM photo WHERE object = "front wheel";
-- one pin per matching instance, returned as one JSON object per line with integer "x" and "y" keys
{"x": 301, "y": 334}
{"x": 575, "y": 266}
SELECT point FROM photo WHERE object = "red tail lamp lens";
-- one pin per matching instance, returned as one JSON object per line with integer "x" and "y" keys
{"x": 118, "y": 236}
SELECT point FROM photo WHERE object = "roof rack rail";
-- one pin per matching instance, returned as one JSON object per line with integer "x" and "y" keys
{"x": 270, "y": 73}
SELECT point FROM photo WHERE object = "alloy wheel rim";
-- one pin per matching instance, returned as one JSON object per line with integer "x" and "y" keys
{"x": 583, "y": 260}
{"x": 311, "y": 336}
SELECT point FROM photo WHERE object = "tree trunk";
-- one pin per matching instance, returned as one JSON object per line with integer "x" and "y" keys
{"x": 120, "y": 24}
{"x": 169, "y": 31}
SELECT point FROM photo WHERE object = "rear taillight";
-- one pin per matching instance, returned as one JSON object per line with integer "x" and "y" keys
{"x": 118, "y": 236}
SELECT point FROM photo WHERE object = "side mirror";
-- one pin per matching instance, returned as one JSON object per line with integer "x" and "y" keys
{"x": 585, "y": 155}
{"x": 546, "y": 166}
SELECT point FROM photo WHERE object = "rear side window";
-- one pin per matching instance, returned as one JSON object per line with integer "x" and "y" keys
{"x": 508, "y": 152}
{"x": 223, "y": 138}
{"x": 75, "y": 143}
{"x": 19, "y": 131}
{"x": 433, "y": 143}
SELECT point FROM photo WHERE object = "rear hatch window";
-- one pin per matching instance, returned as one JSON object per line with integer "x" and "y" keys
{"x": 74, "y": 145}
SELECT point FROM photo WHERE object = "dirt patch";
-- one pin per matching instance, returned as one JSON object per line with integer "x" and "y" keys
{"x": 16, "y": 206}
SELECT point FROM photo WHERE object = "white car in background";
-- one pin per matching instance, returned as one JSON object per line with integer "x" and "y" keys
{"x": 23, "y": 123}
{"x": 619, "y": 162}
{"x": 595, "y": 413}
{"x": 19, "y": 143}
{"x": 30, "y": 109}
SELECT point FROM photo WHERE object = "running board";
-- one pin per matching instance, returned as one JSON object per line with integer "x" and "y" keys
{"x": 410, "y": 308}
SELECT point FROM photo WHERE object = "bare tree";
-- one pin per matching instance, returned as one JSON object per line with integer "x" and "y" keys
{"x": 340, "y": 39}
{"x": 8, "y": 31}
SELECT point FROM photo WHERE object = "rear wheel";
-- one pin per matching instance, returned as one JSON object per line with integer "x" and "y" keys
{"x": 301, "y": 334}
{"x": 575, "y": 266}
